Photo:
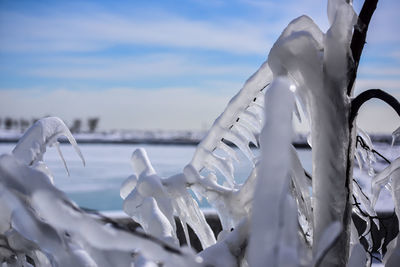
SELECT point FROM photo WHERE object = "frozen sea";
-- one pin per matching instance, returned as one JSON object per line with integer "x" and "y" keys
{"x": 96, "y": 186}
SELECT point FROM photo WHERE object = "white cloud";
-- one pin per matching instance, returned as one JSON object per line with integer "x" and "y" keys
{"x": 85, "y": 31}
{"x": 379, "y": 71}
{"x": 167, "y": 108}
{"x": 96, "y": 31}
{"x": 148, "y": 66}
{"x": 392, "y": 85}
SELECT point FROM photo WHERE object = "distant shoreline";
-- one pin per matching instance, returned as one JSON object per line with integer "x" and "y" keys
{"x": 163, "y": 138}
{"x": 141, "y": 141}
{"x": 300, "y": 145}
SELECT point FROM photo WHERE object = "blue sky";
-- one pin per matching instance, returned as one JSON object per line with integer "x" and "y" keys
{"x": 162, "y": 64}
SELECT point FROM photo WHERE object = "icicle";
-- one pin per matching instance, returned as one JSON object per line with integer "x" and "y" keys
{"x": 367, "y": 226}
{"x": 381, "y": 179}
{"x": 367, "y": 155}
{"x": 228, "y": 150}
{"x": 392, "y": 256}
{"x": 61, "y": 156}
{"x": 187, "y": 208}
{"x": 71, "y": 139}
{"x": 32, "y": 145}
{"x": 358, "y": 158}
{"x": 186, "y": 232}
{"x": 241, "y": 143}
{"x": 301, "y": 106}
{"x": 259, "y": 112}
{"x": 380, "y": 249}
{"x": 365, "y": 202}
{"x": 258, "y": 107}
{"x": 296, "y": 111}
{"x": 246, "y": 124}
{"x": 224, "y": 165}
{"x": 252, "y": 119}
{"x": 252, "y": 112}
{"x": 309, "y": 140}
{"x": 302, "y": 185}
{"x": 364, "y": 155}
{"x": 371, "y": 160}
{"x": 246, "y": 133}
{"x": 395, "y": 135}
{"x": 365, "y": 136}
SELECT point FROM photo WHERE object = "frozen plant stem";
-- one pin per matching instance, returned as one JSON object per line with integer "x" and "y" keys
{"x": 356, "y": 46}
{"x": 359, "y": 37}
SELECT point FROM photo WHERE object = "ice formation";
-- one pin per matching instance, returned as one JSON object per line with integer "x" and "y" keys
{"x": 280, "y": 215}
{"x": 272, "y": 187}
{"x": 154, "y": 201}
{"x": 40, "y": 226}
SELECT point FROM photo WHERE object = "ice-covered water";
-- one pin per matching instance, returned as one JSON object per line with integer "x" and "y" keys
{"x": 97, "y": 185}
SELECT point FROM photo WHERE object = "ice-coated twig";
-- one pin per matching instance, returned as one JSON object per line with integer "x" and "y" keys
{"x": 166, "y": 198}
{"x": 272, "y": 184}
{"x": 45, "y": 132}
{"x": 230, "y": 124}
{"x": 382, "y": 178}
{"x": 42, "y": 218}
{"x": 360, "y": 141}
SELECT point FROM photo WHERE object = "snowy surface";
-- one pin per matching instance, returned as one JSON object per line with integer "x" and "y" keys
{"x": 97, "y": 185}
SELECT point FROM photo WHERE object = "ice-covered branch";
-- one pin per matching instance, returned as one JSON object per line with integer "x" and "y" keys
{"x": 153, "y": 202}
{"x": 361, "y": 142}
{"x": 272, "y": 187}
{"x": 239, "y": 124}
{"x": 40, "y": 225}
{"x": 45, "y": 132}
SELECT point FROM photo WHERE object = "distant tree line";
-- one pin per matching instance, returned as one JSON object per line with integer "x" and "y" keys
{"x": 22, "y": 124}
